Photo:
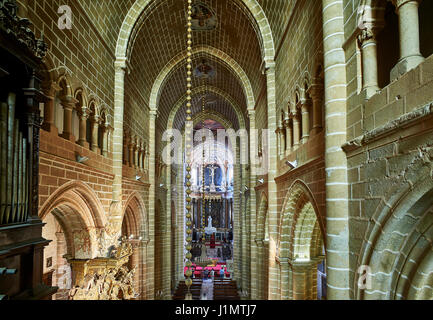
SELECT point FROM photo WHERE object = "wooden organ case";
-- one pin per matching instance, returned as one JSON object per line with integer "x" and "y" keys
{"x": 21, "y": 242}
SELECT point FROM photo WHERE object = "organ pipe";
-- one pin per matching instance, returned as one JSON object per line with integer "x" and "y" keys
{"x": 14, "y": 182}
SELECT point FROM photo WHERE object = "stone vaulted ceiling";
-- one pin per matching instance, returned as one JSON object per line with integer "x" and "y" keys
{"x": 160, "y": 36}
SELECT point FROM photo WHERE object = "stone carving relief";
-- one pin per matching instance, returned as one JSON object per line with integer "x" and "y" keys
{"x": 20, "y": 29}
{"x": 109, "y": 236}
{"x": 107, "y": 278}
{"x": 114, "y": 284}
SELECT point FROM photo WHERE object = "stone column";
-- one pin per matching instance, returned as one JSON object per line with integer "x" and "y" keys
{"x": 131, "y": 148}
{"x": 68, "y": 104}
{"x": 119, "y": 104}
{"x": 61, "y": 246}
{"x": 282, "y": 140}
{"x": 82, "y": 141}
{"x": 139, "y": 155}
{"x": 260, "y": 272}
{"x": 135, "y": 263}
{"x": 289, "y": 136}
{"x": 305, "y": 109}
{"x": 126, "y": 150}
{"x": 296, "y": 130}
{"x": 316, "y": 94}
{"x": 272, "y": 172}
{"x": 303, "y": 280}
{"x": 337, "y": 194}
{"x": 314, "y": 271}
{"x": 285, "y": 280}
{"x": 50, "y": 91}
{"x": 147, "y": 160}
{"x": 252, "y": 205}
{"x": 278, "y": 134}
{"x": 105, "y": 139}
{"x": 368, "y": 43}
{"x": 136, "y": 155}
{"x": 410, "y": 53}
{"x": 152, "y": 195}
{"x": 95, "y": 131}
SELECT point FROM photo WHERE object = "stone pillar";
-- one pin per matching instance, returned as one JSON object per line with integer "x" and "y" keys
{"x": 282, "y": 140}
{"x": 135, "y": 263}
{"x": 139, "y": 155}
{"x": 289, "y": 136}
{"x": 278, "y": 134}
{"x": 126, "y": 150}
{"x": 147, "y": 162}
{"x": 285, "y": 280}
{"x": 95, "y": 130}
{"x": 302, "y": 280}
{"x": 337, "y": 194}
{"x": 105, "y": 139}
{"x": 316, "y": 94}
{"x": 136, "y": 154}
{"x": 61, "y": 246}
{"x": 50, "y": 91}
{"x": 368, "y": 43}
{"x": 131, "y": 148}
{"x": 314, "y": 272}
{"x": 252, "y": 205}
{"x": 260, "y": 272}
{"x": 271, "y": 151}
{"x": 82, "y": 141}
{"x": 119, "y": 104}
{"x": 296, "y": 131}
{"x": 68, "y": 104}
{"x": 305, "y": 109}
{"x": 410, "y": 53}
{"x": 152, "y": 196}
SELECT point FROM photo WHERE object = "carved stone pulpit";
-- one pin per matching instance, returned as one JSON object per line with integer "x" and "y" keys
{"x": 104, "y": 278}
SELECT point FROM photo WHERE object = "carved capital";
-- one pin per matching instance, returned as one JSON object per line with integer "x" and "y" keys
{"x": 368, "y": 34}
{"x": 68, "y": 102}
{"x": 295, "y": 116}
{"x": 50, "y": 89}
{"x": 286, "y": 123}
{"x": 84, "y": 112}
{"x": 316, "y": 91}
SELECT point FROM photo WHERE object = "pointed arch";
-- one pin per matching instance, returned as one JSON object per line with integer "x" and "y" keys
{"x": 214, "y": 52}
{"x": 211, "y": 89}
{"x": 299, "y": 207}
{"x": 400, "y": 232}
{"x": 134, "y": 211}
{"x": 81, "y": 216}
{"x": 129, "y": 23}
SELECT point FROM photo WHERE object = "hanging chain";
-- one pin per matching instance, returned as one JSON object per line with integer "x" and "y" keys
{"x": 188, "y": 145}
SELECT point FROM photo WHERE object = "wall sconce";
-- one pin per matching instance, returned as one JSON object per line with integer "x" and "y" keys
{"x": 81, "y": 159}
{"x": 292, "y": 165}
